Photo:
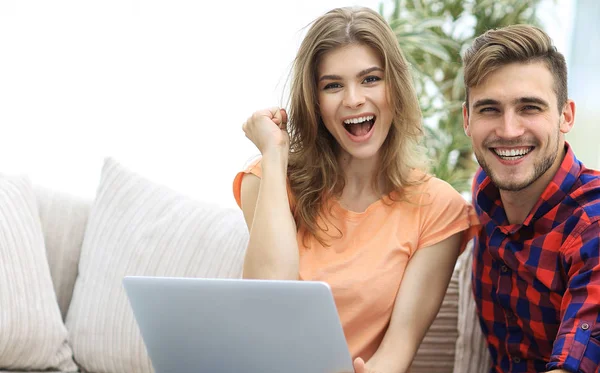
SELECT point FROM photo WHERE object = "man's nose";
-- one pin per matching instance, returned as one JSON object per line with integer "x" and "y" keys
{"x": 510, "y": 126}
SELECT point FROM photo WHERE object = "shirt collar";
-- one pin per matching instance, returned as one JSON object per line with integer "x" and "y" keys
{"x": 488, "y": 195}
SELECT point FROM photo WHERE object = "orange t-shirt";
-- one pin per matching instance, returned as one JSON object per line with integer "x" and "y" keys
{"x": 365, "y": 266}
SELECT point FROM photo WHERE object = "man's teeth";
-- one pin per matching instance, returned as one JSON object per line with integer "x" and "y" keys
{"x": 359, "y": 120}
{"x": 512, "y": 152}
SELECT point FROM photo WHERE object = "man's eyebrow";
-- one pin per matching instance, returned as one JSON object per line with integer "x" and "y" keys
{"x": 485, "y": 102}
{"x": 361, "y": 73}
{"x": 531, "y": 100}
{"x": 517, "y": 101}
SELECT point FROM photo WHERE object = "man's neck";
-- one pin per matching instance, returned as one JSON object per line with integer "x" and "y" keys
{"x": 518, "y": 205}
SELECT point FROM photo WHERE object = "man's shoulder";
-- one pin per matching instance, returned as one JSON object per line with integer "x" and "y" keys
{"x": 586, "y": 194}
{"x": 590, "y": 177}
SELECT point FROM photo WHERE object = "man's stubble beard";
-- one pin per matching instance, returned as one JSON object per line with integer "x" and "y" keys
{"x": 539, "y": 169}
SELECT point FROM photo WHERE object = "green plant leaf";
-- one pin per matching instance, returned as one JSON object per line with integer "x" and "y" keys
{"x": 433, "y": 34}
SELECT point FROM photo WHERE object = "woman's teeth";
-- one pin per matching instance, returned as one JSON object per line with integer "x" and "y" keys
{"x": 358, "y": 120}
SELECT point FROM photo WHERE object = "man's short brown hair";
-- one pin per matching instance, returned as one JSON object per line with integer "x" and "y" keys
{"x": 516, "y": 43}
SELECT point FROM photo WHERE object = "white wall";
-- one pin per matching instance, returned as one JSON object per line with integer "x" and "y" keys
{"x": 584, "y": 80}
{"x": 161, "y": 85}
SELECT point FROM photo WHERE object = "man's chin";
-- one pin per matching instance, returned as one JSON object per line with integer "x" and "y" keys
{"x": 509, "y": 184}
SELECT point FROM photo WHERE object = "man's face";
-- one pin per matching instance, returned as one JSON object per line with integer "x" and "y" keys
{"x": 515, "y": 124}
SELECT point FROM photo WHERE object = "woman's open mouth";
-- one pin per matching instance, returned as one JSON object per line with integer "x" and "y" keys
{"x": 360, "y": 128}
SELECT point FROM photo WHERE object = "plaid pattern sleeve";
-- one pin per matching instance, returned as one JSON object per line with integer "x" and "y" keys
{"x": 577, "y": 347}
{"x": 537, "y": 284}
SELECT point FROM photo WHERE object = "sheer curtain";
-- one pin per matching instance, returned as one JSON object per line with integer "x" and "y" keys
{"x": 584, "y": 80}
{"x": 163, "y": 86}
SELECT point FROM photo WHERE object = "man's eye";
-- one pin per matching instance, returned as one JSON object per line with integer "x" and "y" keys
{"x": 332, "y": 86}
{"x": 487, "y": 110}
{"x": 531, "y": 108}
{"x": 371, "y": 79}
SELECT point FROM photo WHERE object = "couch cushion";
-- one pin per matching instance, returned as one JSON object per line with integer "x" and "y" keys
{"x": 436, "y": 352}
{"x": 136, "y": 227}
{"x": 63, "y": 220}
{"x": 472, "y": 355}
{"x": 32, "y": 333}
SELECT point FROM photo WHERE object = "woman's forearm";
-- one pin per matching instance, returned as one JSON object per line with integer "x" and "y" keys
{"x": 394, "y": 358}
{"x": 272, "y": 249}
{"x": 418, "y": 301}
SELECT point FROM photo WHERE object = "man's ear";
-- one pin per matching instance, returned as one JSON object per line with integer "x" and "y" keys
{"x": 465, "y": 112}
{"x": 567, "y": 117}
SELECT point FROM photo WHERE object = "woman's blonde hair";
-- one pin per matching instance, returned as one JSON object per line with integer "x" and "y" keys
{"x": 313, "y": 171}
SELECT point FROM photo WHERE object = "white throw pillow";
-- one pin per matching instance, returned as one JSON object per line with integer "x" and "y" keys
{"x": 32, "y": 333}
{"x": 136, "y": 227}
{"x": 64, "y": 218}
{"x": 472, "y": 355}
{"x": 436, "y": 352}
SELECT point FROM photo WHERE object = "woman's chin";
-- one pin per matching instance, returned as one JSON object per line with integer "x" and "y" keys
{"x": 362, "y": 152}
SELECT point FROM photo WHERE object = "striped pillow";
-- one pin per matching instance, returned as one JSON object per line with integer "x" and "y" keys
{"x": 32, "y": 333}
{"x": 136, "y": 227}
{"x": 436, "y": 352}
{"x": 472, "y": 355}
{"x": 63, "y": 218}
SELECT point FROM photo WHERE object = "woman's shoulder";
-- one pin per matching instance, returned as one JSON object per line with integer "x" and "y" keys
{"x": 441, "y": 211}
{"x": 430, "y": 188}
{"x": 253, "y": 167}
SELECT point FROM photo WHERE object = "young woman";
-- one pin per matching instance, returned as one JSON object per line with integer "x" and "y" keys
{"x": 341, "y": 193}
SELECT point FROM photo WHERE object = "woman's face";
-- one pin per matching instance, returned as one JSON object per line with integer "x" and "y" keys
{"x": 353, "y": 99}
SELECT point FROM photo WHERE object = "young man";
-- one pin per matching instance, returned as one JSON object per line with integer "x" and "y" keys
{"x": 536, "y": 265}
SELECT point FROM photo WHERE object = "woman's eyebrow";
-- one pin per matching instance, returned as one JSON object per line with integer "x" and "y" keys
{"x": 330, "y": 77}
{"x": 368, "y": 71}
{"x": 360, "y": 74}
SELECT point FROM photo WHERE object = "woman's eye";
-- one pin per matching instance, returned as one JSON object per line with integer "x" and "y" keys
{"x": 372, "y": 79}
{"x": 332, "y": 86}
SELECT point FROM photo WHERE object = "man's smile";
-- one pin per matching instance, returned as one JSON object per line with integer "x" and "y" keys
{"x": 512, "y": 154}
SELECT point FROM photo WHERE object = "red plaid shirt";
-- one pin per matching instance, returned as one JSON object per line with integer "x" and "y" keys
{"x": 537, "y": 284}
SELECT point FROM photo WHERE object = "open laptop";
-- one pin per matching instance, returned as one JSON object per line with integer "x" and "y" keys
{"x": 192, "y": 325}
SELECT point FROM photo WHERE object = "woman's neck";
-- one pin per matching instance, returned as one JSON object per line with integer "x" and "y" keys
{"x": 360, "y": 188}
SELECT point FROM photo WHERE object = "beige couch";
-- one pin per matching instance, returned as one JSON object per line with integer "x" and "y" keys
{"x": 62, "y": 259}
